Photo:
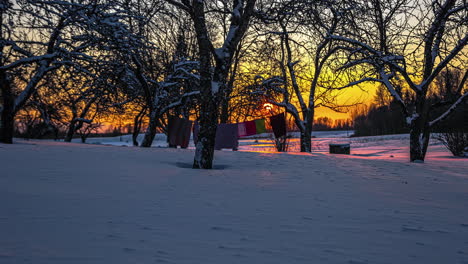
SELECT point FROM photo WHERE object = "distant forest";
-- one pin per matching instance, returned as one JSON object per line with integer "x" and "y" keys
{"x": 385, "y": 116}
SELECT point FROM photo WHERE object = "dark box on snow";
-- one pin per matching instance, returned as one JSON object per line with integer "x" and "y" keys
{"x": 340, "y": 148}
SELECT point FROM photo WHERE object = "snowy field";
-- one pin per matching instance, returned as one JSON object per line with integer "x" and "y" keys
{"x": 102, "y": 203}
{"x": 388, "y": 147}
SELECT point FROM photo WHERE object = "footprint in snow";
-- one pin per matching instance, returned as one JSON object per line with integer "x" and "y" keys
{"x": 6, "y": 255}
{"x": 129, "y": 249}
{"x": 226, "y": 247}
{"x": 412, "y": 229}
{"x": 220, "y": 228}
{"x": 162, "y": 252}
{"x": 266, "y": 252}
{"x": 357, "y": 262}
{"x": 333, "y": 252}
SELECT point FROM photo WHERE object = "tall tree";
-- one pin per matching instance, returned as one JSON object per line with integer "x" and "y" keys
{"x": 213, "y": 81}
{"x": 159, "y": 75}
{"x": 411, "y": 41}
{"x": 39, "y": 37}
{"x": 298, "y": 33}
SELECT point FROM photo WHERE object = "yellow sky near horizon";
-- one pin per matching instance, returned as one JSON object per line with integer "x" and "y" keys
{"x": 362, "y": 94}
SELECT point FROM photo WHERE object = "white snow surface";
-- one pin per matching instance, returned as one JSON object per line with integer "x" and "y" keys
{"x": 89, "y": 203}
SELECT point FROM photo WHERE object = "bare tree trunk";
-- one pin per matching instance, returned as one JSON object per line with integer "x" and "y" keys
{"x": 419, "y": 141}
{"x": 7, "y": 124}
{"x": 209, "y": 103}
{"x": 7, "y": 118}
{"x": 136, "y": 132}
{"x": 208, "y": 116}
{"x": 224, "y": 117}
{"x": 137, "y": 126}
{"x": 151, "y": 131}
{"x": 56, "y": 133}
{"x": 306, "y": 135}
{"x": 70, "y": 131}
{"x": 306, "y": 141}
{"x": 206, "y": 138}
{"x": 212, "y": 87}
{"x": 225, "y": 111}
{"x": 419, "y": 129}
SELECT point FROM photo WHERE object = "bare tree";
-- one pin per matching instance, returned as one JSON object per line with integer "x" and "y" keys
{"x": 39, "y": 37}
{"x": 298, "y": 34}
{"x": 411, "y": 41}
{"x": 213, "y": 81}
{"x": 163, "y": 101}
{"x": 81, "y": 102}
{"x": 159, "y": 75}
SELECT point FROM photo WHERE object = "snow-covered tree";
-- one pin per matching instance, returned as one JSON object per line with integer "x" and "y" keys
{"x": 158, "y": 76}
{"x": 76, "y": 98}
{"x": 39, "y": 37}
{"x": 215, "y": 63}
{"x": 163, "y": 96}
{"x": 409, "y": 42}
{"x": 300, "y": 53}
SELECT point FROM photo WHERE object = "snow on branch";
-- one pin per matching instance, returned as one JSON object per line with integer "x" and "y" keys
{"x": 355, "y": 42}
{"x": 386, "y": 81}
{"x": 184, "y": 5}
{"x": 28, "y": 60}
{"x": 363, "y": 80}
{"x": 273, "y": 83}
{"x": 15, "y": 47}
{"x": 31, "y": 85}
{"x": 290, "y": 108}
{"x": 180, "y": 101}
{"x": 447, "y": 113}
{"x": 377, "y": 59}
{"x": 84, "y": 120}
{"x": 457, "y": 9}
{"x": 460, "y": 45}
{"x": 236, "y": 21}
{"x": 353, "y": 63}
{"x": 240, "y": 17}
{"x": 185, "y": 69}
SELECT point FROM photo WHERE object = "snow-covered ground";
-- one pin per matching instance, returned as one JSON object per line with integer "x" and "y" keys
{"x": 388, "y": 147}
{"x": 89, "y": 203}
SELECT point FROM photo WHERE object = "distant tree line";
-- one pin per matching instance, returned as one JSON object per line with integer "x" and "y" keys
{"x": 385, "y": 116}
